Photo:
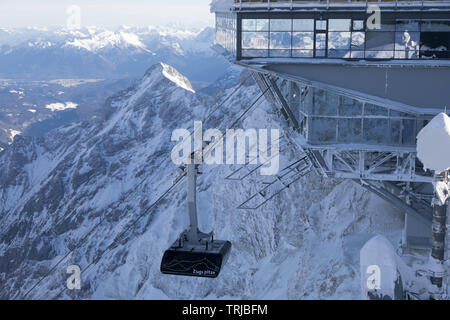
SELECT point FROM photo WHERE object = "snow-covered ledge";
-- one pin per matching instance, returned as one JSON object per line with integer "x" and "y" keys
{"x": 433, "y": 150}
{"x": 433, "y": 144}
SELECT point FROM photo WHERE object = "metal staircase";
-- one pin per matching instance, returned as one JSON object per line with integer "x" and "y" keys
{"x": 266, "y": 191}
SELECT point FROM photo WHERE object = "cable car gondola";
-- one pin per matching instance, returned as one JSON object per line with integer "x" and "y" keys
{"x": 195, "y": 253}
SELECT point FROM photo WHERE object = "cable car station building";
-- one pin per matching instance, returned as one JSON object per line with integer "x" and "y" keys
{"x": 355, "y": 88}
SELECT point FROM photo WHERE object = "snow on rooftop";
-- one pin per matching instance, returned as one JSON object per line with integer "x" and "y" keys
{"x": 433, "y": 144}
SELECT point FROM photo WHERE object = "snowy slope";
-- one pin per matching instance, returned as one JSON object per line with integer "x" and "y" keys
{"x": 303, "y": 245}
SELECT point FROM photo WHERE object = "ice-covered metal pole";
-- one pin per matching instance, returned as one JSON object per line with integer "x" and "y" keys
{"x": 439, "y": 230}
{"x": 191, "y": 178}
{"x": 437, "y": 250}
{"x": 433, "y": 150}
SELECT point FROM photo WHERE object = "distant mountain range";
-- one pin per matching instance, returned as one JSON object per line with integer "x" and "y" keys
{"x": 42, "y": 71}
{"x": 93, "y": 52}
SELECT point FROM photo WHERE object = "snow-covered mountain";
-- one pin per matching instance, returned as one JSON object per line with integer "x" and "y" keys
{"x": 35, "y": 107}
{"x": 94, "y": 52}
{"x": 54, "y": 189}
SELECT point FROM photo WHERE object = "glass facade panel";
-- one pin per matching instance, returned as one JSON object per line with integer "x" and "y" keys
{"x": 329, "y": 117}
{"x": 435, "y": 45}
{"x": 358, "y": 39}
{"x": 357, "y": 54}
{"x": 379, "y": 54}
{"x": 323, "y": 130}
{"x": 279, "y": 53}
{"x": 321, "y": 25}
{"x": 408, "y": 132}
{"x": 339, "y": 24}
{"x": 407, "y": 25}
{"x": 226, "y": 32}
{"x": 435, "y": 26}
{"x": 406, "y": 55}
{"x": 255, "y": 40}
{"x": 280, "y": 25}
{"x": 374, "y": 110}
{"x": 339, "y": 44}
{"x": 350, "y": 107}
{"x": 325, "y": 103}
{"x": 280, "y": 40}
{"x": 399, "y": 114}
{"x": 336, "y": 38}
{"x": 320, "y": 53}
{"x": 395, "y": 131}
{"x": 303, "y": 40}
{"x": 434, "y": 41}
{"x": 321, "y": 41}
{"x": 302, "y": 53}
{"x": 252, "y": 53}
{"x": 255, "y": 24}
{"x": 303, "y": 25}
{"x": 262, "y": 24}
{"x": 349, "y": 130}
{"x": 379, "y": 41}
{"x": 345, "y": 54}
{"x": 358, "y": 25}
{"x": 376, "y": 130}
{"x": 407, "y": 41}
{"x": 248, "y": 24}
{"x": 434, "y": 54}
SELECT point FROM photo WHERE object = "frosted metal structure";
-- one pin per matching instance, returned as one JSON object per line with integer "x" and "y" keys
{"x": 355, "y": 96}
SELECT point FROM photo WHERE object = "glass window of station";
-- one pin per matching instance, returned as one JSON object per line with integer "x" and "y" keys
{"x": 345, "y": 39}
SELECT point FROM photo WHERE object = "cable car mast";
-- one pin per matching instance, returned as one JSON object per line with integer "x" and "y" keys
{"x": 194, "y": 253}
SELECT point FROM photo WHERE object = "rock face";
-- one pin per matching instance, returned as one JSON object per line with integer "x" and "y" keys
{"x": 103, "y": 176}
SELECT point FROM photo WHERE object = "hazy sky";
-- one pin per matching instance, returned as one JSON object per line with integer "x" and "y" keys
{"x": 107, "y": 13}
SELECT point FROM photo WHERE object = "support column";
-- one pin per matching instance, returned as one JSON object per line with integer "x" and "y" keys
{"x": 437, "y": 261}
{"x": 438, "y": 243}
{"x": 191, "y": 177}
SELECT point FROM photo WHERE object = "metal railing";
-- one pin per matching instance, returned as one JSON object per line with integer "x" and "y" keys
{"x": 299, "y": 1}
{"x": 292, "y": 3}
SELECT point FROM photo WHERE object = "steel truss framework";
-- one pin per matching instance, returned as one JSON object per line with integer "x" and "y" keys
{"x": 392, "y": 172}
{"x": 347, "y": 160}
